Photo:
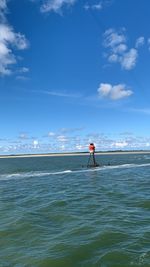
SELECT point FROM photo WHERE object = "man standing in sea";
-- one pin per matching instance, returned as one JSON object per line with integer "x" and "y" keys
{"x": 92, "y": 152}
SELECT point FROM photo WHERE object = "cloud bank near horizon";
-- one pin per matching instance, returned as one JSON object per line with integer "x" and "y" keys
{"x": 71, "y": 140}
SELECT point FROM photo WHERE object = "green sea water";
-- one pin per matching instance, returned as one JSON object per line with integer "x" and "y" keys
{"x": 54, "y": 212}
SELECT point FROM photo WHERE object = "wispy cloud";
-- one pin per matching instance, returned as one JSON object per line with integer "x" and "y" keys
{"x": 128, "y": 61}
{"x": 117, "y": 50}
{"x": 113, "y": 92}
{"x": 22, "y": 78}
{"x": 140, "y": 42}
{"x": 2, "y": 4}
{"x": 119, "y": 144}
{"x": 3, "y": 9}
{"x": 21, "y": 74}
{"x": 141, "y": 110}
{"x": 23, "y": 70}
{"x": 57, "y": 93}
{"x": 62, "y": 94}
{"x": 55, "y": 5}
{"x": 9, "y": 42}
{"x": 96, "y": 6}
{"x": 23, "y": 136}
{"x": 71, "y": 130}
{"x": 51, "y": 134}
{"x": 63, "y": 132}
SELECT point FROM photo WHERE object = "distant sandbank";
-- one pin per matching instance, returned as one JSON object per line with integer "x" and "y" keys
{"x": 73, "y": 154}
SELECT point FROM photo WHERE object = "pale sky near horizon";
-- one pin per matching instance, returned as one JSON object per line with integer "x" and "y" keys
{"x": 74, "y": 72}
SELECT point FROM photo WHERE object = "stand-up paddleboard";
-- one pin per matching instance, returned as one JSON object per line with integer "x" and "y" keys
{"x": 93, "y": 165}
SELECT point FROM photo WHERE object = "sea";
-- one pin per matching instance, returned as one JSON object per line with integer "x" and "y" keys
{"x": 56, "y": 212}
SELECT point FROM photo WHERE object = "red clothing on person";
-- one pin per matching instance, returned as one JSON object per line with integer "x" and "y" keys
{"x": 91, "y": 148}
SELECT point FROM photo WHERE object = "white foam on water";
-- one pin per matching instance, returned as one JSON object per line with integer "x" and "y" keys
{"x": 30, "y": 175}
{"x": 109, "y": 167}
{"x": 43, "y": 174}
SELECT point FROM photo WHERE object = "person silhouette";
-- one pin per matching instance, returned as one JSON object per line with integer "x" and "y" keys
{"x": 92, "y": 152}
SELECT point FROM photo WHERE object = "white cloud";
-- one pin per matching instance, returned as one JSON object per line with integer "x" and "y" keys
{"x": 113, "y": 92}
{"x": 51, "y": 134}
{"x": 139, "y": 42}
{"x": 55, "y": 5}
{"x": 23, "y": 136}
{"x": 35, "y": 144}
{"x": 120, "y": 144}
{"x": 9, "y": 41}
{"x": 128, "y": 60}
{"x": 147, "y": 144}
{"x": 8, "y": 36}
{"x": 62, "y": 138}
{"x": 79, "y": 147}
{"x": 23, "y": 70}
{"x": 62, "y": 134}
{"x": 97, "y": 6}
{"x": 113, "y": 38}
{"x": 3, "y": 5}
{"x": 120, "y": 48}
{"x": 113, "y": 58}
{"x": 3, "y": 8}
{"x": 118, "y": 51}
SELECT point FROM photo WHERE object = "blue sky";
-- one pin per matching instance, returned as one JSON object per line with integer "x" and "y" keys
{"x": 74, "y": 72}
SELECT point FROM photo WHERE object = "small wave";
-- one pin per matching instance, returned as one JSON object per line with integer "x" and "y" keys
{"x": 108, "y": 167}
{"x": 30, "y": 175}
{"x": 42, "y": 174}
{"x": 129, "y": 165}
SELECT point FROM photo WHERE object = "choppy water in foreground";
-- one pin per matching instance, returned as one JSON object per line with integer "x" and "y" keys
{"x": 56, "y": 213}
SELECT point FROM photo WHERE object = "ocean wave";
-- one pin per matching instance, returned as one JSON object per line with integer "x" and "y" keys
{"x": 30, "y": 174}
{"x": 84, "y": 169}
{"x": 108, "y": 167}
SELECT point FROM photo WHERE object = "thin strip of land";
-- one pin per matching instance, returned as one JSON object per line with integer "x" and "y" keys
{"x": 75, "y": 154}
